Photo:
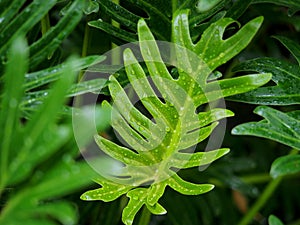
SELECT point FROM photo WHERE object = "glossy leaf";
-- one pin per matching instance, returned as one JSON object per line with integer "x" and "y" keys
{"x": 62, "y": 211}
{"x": 90, "y": 6}
{"x": 285, "y": 165}
{"x": 27, "y": 148}
{"x": 40, "y": 121}
{"x": 293, "y": 5}
{"x": 215, "y": 51}
{"x": 157, "y": 145}
{"x": 8, "y": 9}
{"x": 285, "y": 75}
{"x": 42, "y": 77}
{"x": 10, "y": 111}
{"x": 291, "y": 45}
{"x": 158, "y": 15}
{"x": 44, "y": 47}
{"x": 33, "y": 99}
{"x": 273, "y": 220}
{"x": 238, "y": 8}
{"x": 24, "y": 21}
{"x": 277, "y": 126}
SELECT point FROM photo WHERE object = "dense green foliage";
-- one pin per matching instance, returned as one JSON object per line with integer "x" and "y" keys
{"x": 221, "y": 49}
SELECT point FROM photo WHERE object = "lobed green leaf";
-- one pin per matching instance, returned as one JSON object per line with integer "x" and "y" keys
{"x": 284, "y": 74}
{"x": 277, "y": 126}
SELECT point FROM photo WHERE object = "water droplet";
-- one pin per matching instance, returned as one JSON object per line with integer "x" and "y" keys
{"x": 86, "y": 197}
{"x": 1, "y": 19}
{"x": 168, "y": 129}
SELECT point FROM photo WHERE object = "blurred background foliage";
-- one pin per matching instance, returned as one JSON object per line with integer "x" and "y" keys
{"x": 42, "y": 172}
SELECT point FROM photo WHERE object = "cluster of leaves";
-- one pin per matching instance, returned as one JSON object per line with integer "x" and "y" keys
{"x": 37, "y": 160}
{"x": 156, "y": 156}
{"x": 285, "y": 75}
{"x": 39, "y": 163}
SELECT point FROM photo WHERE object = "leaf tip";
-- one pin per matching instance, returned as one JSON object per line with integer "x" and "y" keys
{"x": 237, "y": 130}
{"x": 258, "y": 21}
{"x": 86, "y": 197}
{"x": 142, "y": 22}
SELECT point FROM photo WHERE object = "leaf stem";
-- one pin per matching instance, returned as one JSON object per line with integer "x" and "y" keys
{"x": 145, "y": 217}
{"x": 45, "y": 24}
{"x": 256, "y": 178}
{"x": 85, "y": 44}
{"x": 271, "y": 187}
{"x": 116, "y": 53}
{"x": 262, "y": 200}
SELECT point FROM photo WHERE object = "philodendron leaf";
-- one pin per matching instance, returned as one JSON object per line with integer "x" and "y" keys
{"x": 215, "y": 51}
{"x": 38, "y": 152}
{"x": 273, "y": 220}
{"x": 293, "y": 5}
{"x": 285, "y": 165}
{"x": 277, "y": 126}
{"x": 158, "y": 15}
{"x": 46, "y": 45}
{"x": 285, "y": 75}
{"x": 160, "y": 144}
{"x": 212, "y": 48}
{"x": 23, "y": 21}
{"x": 291, "y": 45}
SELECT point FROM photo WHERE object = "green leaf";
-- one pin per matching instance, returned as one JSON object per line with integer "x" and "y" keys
{"x": 284, "y": 74}
{"x": 215, "y": 51}
{"x": 42, "y": 77}
{"x": 62, "y": 211}
{"x": 158, "y": 15}
{"x": 285, "y": 165}
{"x": 187, "y": 188}
{"x": 205, "y": 5}
{"x": 292, "y": 46}
{"x": 8, "y": 9}
{"x": 10, "y": 111}
{"x": 24, "y": 21}
{"x": 154, "y": 147}
{"x": 33, "y": 99}
{"x": 273, "y": 220}
{"x": 293, "y": 5}
{"x": 109, "y": 191}
{"x": 125, "y": 35}
{"x": 45, "y": 46}
{"x": 238, "y": 8}
{"x": 90, "y": 6}
{"x": 37, "y": 151}
{"x": 40, "y": 122}
{"x": 277, "y": 126}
